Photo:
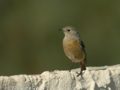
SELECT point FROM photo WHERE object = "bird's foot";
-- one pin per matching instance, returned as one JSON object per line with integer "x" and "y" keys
{"x": 79, "y": 74}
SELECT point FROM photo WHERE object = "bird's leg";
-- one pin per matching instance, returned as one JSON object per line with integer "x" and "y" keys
{"x": 83, "y": 67}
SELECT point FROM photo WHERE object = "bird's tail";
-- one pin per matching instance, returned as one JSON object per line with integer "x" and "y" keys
{"x": 83, "y": 66}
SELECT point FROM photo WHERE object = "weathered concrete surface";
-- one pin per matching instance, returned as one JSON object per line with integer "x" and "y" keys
{"x": 94, "y": 78}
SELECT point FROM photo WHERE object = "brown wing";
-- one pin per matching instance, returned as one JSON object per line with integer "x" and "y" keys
{"x": 77, "y": 50}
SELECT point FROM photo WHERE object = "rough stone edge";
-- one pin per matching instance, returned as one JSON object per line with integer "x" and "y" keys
{"x": 94, "y": 78}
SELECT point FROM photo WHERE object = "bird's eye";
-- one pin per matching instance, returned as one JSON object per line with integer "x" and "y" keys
{"x": 68, "y": 30}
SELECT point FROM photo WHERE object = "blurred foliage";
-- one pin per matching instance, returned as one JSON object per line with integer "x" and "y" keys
{"x": 31, "y": 43}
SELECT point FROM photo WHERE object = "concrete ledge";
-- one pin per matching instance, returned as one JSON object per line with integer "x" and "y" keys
{"x": 94, "y": 78}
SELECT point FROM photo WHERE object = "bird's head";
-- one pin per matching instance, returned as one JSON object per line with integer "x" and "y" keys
{"x": 70, "y": 31}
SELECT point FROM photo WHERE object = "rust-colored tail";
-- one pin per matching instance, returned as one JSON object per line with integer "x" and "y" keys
{"x": 83, "y": 67}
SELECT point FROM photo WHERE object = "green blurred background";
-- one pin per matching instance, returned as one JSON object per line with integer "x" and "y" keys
{"x": 30, "y": 42}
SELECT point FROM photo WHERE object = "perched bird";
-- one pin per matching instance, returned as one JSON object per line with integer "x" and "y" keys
{"x": 74, "y": 47}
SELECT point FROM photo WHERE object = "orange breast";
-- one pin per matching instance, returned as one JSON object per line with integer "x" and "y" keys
{"x": 73, "y": 50}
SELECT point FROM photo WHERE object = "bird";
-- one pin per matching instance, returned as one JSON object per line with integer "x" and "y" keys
{"x": 74, "y": 47}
